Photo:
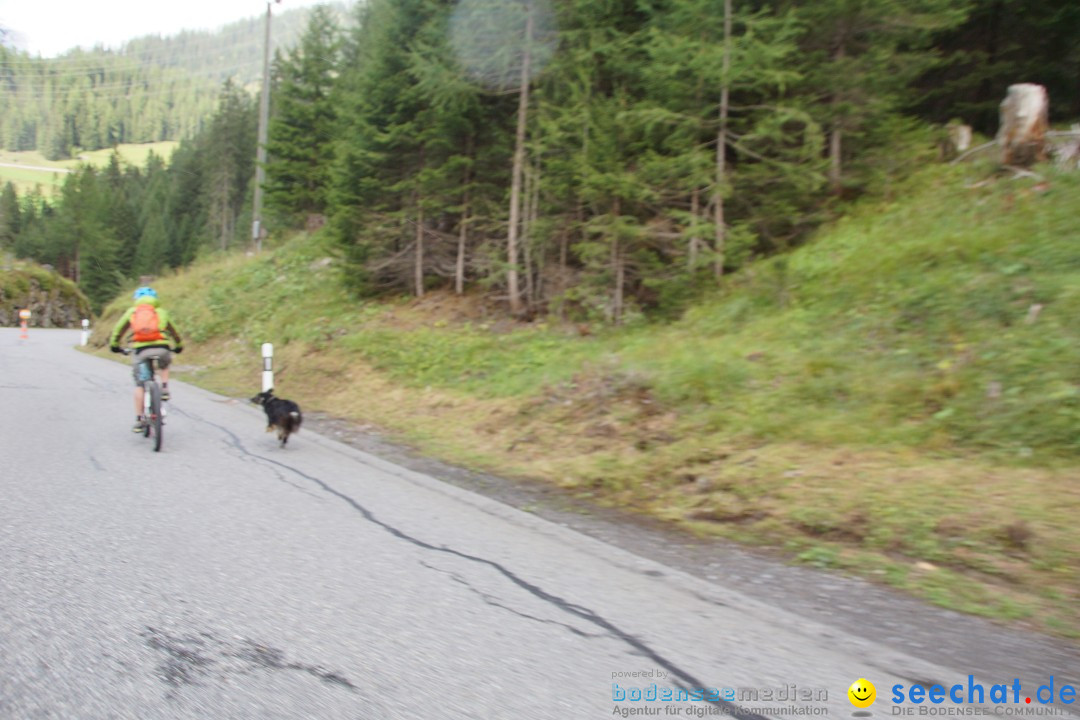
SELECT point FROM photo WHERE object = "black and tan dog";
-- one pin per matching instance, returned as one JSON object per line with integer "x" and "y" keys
{"x": 284, "y": 415}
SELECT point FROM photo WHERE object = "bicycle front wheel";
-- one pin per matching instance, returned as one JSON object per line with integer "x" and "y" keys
{"x": 153, "y": 422}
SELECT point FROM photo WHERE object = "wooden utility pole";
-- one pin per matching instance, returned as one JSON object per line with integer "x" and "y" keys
{"x": 257, "y": 230}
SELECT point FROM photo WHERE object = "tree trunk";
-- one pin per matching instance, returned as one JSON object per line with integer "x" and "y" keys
{"x": 721, "y": 149}
{"x": 223, "y": 203}
{"x": 564, "y": 246}
{"x": 537, "y": 258}
{"x": 564, "y": 253}
{"x": 836, "y": 137}
{"x": 619, "y": 264}
{"x": 695, "y": 241}
{"x": 1024, "y": 123}
{"x": 526, "y": 235}
{"x": 463, "y": 230}
{"x": 419, "y": 269}
{"x": 835, "y": 160}
{"x": 516, "y": 173}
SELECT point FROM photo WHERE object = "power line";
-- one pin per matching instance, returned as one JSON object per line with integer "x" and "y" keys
{"x": 135, "y": 95}
{"x": 187, "y": 38}
{"x": 137, "y": 87}
{"x": 208, "y": 73}
{"x": 187, "y": 59}
{"x": 96, "y": 57}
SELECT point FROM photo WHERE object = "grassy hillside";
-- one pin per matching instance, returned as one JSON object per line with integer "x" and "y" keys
{"x": 899, "y": 399}
{"x": 30, "y": 169}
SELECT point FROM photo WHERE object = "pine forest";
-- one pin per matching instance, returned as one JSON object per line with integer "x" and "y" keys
{"x": 606, "y": 161}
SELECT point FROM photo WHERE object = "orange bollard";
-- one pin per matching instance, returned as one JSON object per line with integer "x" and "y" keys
{"x": 24, "y": 315}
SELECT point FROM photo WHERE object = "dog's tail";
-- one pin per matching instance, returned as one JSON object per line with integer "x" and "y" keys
{"x": 288, "y": 424}
{"x": 293, "y": 420}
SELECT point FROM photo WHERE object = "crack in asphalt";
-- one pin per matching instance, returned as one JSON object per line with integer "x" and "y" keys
{"x": 245, "y": 456}
{"x": 682, "y": 678}
{"x": 494, "y": 602}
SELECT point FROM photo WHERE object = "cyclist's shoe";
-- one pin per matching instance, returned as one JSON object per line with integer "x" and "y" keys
{"x": 139, "y": 425}
{"x": 165, "y": 394}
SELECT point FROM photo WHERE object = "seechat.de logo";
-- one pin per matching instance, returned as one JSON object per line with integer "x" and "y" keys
{"x": 862, "y": 695}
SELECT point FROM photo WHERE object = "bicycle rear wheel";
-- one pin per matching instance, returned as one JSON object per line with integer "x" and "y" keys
{"x": 153, "y": 421}
{"x": 146, "y": 409}
{"x": 146, "y": 377}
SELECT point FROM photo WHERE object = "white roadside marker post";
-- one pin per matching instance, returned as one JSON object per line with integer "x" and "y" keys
{"x": 85, "y": 331}
{"x": 268, "y": 367}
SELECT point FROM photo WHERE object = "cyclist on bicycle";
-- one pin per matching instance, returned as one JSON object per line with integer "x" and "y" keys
{"x": 149, "y": 324}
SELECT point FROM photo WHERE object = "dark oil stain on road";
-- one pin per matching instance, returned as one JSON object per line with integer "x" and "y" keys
{"x": 189, "y": 658}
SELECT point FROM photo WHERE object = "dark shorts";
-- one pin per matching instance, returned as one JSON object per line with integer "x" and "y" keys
{"x": 161, "y": 355}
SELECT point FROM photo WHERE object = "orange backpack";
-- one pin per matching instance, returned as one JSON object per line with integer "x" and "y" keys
{"x": 145, "y": 324}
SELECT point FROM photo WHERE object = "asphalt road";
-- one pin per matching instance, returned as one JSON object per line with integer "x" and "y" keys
{"x": 226, "y": 577}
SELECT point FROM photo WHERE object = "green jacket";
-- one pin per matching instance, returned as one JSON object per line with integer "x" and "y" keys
{"x": 164, "y": 321}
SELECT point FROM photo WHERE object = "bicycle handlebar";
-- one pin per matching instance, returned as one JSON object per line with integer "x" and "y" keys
{"x": 129, "y": 351}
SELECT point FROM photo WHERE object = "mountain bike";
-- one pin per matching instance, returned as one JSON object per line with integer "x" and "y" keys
{"x": 153, "y": 406}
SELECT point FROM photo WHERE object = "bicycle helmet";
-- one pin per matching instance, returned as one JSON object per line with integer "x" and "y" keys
{"x": 145, "y": 292}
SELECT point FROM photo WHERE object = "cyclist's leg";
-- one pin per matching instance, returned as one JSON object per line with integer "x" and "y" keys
{"x": 139, "y": 392}
{"x": 164, "y": 358}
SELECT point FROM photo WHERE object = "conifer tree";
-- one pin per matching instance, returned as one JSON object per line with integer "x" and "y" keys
{"x": 377, "y": 193}
{"x": 504, "y": 46}
{"x": 153, "y": 251}
{"x": 121, "y": 210}
{"x": 860, "y": 59}
{"x": 999, "y": 43}
{"x": 229, "y": 151}
{"x": 78, "y": 238}
{"x": 301, "y": 131}
{"x": 10, "y": 217}
{"x": 34, "y": 213}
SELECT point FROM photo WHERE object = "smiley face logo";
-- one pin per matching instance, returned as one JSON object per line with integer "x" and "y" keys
{"x": 862, "y": 693}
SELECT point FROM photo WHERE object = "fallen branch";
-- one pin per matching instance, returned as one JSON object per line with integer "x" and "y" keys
{"x": 1022, "y": 173}
{"x": 974, "y": 150}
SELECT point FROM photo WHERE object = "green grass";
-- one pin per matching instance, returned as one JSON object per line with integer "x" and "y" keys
{"x": 472, "y": 358}
{"x": 900, "y": 398}
{"x": 28, "y": 180}
{"x": 133, "y": 154}
{"x": 49, "y": 181}
{"x": 33, "y": 157}
{"x": 904, "y": 325}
